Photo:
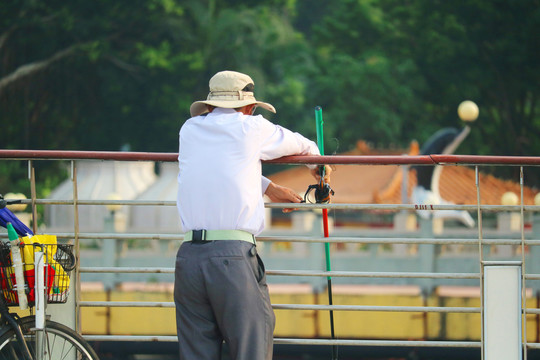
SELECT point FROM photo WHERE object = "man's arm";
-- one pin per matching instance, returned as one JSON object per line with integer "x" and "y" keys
{"x": 278, "y": 141}
{"x": 282, "y": 194}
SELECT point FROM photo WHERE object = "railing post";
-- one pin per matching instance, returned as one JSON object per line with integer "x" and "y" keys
{"x": 68, "y": 313}
{"x": 77, "y": 274}
{"x": 426, "y": 255}
{"x": 110, "y": 252}
{"x": 533, "y": 267}
{"x": 502, "y": 320}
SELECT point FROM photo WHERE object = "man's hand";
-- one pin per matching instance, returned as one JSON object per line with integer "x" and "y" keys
{"x": 316, "y": 173}
{"x": 281, "y": 194}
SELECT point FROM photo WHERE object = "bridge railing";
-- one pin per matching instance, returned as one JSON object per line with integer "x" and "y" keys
{"x": 527, "y": 242}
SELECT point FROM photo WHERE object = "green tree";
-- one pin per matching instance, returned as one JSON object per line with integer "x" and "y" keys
{"x": 64, "y": 63}
{"x": 96, "y": 76}
{"x": 482, "y": 50}
{"x": 392, "y": 71}
{"x": 76, "y": 74}
{"x": 485, "y": 51}
{"x": 366, "y": 94}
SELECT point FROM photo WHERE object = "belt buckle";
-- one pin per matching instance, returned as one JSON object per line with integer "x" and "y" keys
{"x": 198, "y": 236}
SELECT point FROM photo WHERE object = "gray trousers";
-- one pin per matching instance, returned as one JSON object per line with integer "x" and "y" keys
{"x": 220, "y": 294}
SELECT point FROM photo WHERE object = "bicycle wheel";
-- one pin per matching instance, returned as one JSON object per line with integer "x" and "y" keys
{"x": 62, "y": 343}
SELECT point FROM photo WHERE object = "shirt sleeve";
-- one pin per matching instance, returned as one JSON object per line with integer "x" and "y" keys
{"x": 277, "y": 141}
{"x": 264, "y": 183}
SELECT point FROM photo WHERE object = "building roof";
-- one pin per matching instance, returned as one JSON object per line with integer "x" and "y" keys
{"x": 381, "y": 184}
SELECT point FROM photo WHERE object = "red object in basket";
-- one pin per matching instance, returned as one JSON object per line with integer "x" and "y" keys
{"x": 29, "y": 276}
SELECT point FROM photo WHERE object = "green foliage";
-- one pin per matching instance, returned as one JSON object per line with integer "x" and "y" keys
{"x": 482, "y": 50}
{"x": 98, "y": 75}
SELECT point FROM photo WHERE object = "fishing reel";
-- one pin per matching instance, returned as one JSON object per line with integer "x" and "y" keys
{"x": 323, "y": 191}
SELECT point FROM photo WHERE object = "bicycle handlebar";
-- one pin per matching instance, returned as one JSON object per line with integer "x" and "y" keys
{"x": 4, "y": 202}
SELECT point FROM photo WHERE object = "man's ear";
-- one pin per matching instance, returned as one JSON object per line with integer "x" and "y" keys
{"x": 246, "y": 110}
{"x": 251, "y": 109}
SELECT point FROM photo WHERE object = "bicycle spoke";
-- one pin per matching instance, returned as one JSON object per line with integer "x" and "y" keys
{"x": 61, "y": 343}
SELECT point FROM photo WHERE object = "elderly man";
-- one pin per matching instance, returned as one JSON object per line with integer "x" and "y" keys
{"x": 220, "y": 285}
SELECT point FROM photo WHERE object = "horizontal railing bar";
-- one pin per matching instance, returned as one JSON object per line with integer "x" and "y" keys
{"x": 434, "y": 309}
{"x": 302, "y": 159}
{"x": 165, "y": 304}
{"x": 409, "y": 207}
{"x": 384, "y": 240}
{"x": 172, "y": 157}
{"x": 102, "y": 202}
{"x": 124, "y": 236}
{"x": 86, "y": 155}
{"x": 401, "y": 343}
{"x": 314, "y": 239}
{"x": 126, "y": 270}
{"x": 359, "y": 274}
{"x": 408, "y": 160}
{"x": 395, "y": 207}
{"x": 297, "y": 273}
{"x": 482, "y": 159}
{"x": 137, "y": 338}
{"x": 150, "y": 304}
{"x": 374, "y": 274}
{"x": 291, "y": 341}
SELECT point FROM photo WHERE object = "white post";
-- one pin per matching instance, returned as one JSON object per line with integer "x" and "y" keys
{"x": 40, "y": 288}
{"x": 39, "y": 267}
{"x": 502, "y": 327}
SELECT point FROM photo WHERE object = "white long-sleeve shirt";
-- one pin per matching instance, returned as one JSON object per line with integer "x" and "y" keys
{"x": 219, "y": 180}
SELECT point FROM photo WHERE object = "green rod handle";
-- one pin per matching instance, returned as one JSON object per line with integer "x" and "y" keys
{"x": 319, "y": 123}
{"x": 320, "y": 142}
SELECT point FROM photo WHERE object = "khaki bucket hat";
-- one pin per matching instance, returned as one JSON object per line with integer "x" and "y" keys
{"x": 229, "y": 89}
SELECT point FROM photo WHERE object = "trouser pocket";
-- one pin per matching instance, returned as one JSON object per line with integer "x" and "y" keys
{"x": 258, "y": 265}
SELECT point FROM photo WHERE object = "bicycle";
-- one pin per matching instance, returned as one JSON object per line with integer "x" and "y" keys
{"x": 35, "y": 337}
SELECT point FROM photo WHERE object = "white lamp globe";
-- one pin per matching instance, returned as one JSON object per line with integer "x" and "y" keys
{"x": 432, "y": 199}
{"x": 537, "y": 199}
{"x": 509, "y": 198}
{"x": 113, "y": 207}
{"x": 468, "y": 111}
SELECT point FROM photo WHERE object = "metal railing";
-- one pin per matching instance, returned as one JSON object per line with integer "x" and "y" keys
{"x": 524, "y": 242}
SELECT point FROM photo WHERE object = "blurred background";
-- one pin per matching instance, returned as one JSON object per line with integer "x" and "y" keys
{"x": 112, "y": 75}
{"x": 120, "y": 76}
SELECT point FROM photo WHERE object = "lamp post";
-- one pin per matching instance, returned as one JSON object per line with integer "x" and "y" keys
{"x": 535, "y": 250}
{"x": 110, "y": 248}
{"x": 510, "y": 220}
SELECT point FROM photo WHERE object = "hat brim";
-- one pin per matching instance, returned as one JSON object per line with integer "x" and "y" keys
{"x": 199, "y": 107}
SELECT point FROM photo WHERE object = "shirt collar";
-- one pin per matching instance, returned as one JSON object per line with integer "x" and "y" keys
{"x": 219, "y": 110}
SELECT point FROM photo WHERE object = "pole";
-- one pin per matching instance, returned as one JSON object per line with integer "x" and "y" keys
{"x": 320, "y": 143}
{"x": 18, "y": 266}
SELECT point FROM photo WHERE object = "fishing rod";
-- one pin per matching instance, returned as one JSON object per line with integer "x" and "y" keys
{"x": 323, "y": 191}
